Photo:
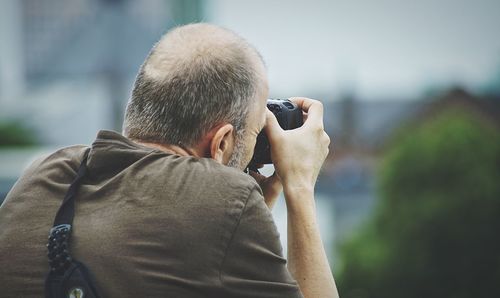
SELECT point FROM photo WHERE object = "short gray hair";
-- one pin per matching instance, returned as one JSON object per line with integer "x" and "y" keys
{"x": 196, "y": 77}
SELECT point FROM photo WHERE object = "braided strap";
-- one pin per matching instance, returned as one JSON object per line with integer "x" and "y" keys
{"x": 58, "y": 252}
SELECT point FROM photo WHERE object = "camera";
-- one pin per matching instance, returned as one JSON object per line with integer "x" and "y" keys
{"x": 289, "y": 116}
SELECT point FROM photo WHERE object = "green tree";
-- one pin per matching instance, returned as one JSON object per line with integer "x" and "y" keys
{"x": 436, "y": 229}
{"x": 14, "y": 134}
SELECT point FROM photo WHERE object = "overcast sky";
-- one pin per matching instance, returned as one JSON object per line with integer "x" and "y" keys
{"x": 380, "y": 48}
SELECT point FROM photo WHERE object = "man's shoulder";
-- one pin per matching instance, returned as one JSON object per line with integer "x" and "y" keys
{"x": 69, "y": 155}
{"x": 225, "y": 175}
{"x": 63, "y": 160}
{"x": 198, "y": 173}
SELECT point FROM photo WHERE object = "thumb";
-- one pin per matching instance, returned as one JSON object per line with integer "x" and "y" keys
{"x": 257, "y": 176}
{"x": 272, "y": 128}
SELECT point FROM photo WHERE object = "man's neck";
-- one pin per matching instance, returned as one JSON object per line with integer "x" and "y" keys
{"x": 173, "y": 149}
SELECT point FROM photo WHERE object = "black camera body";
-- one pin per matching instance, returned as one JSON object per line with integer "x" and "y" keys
{"x": 289, "y": 116}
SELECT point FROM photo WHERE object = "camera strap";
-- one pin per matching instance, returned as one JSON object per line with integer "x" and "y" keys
{"x": 67, "y": 277}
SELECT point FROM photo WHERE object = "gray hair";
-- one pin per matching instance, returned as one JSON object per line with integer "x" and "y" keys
{"x": 196, "y": 77}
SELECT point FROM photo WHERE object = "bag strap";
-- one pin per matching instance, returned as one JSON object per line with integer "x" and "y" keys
{"x": 67, "y": 277}
{"x": 58, "y": 246}
{"x": 66, "y": 212}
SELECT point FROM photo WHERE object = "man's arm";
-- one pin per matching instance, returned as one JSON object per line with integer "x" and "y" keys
{"x": 298, "y": 156}
{"x": 306, "y": 256}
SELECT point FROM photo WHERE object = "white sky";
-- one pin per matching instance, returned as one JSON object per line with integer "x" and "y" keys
{"x": 381, "y": 48}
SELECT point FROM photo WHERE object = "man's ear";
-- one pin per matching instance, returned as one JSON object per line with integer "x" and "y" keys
{"x": 222, "y": 143}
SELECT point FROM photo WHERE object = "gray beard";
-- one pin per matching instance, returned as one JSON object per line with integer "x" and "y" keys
{"x": 236, "y": 159}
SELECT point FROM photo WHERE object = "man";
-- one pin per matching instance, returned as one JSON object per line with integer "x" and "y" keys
{"x": 166, "y": 210}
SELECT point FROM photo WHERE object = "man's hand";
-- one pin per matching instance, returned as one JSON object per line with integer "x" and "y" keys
{"x": 271, "y": 187}
{"x": 298, "y": 154}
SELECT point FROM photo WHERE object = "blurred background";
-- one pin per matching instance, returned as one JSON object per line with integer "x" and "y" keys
{"x": 409, "y": 199}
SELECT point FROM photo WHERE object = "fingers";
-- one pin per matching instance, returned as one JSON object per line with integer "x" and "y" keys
{"x": 313, "y": 108}
{"x": 274, "y": 180}
{"x": 271, "y": 181}
{"x": 257, "y": 176}
{"x": 271, "y": 187}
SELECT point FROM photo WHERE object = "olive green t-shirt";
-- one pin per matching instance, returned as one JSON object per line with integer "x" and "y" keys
{"x": 147, "y": 224}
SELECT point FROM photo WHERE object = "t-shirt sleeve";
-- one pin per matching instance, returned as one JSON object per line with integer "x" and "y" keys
{"x": 254, "y": 265}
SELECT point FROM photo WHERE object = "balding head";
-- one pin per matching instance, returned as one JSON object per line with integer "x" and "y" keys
{"x": 196, "y": 77}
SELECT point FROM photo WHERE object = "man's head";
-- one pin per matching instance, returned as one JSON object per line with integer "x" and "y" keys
{"x": 201, "y": 87}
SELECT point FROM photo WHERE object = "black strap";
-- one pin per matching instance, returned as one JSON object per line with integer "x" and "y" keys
{"x": 67, "y": 277}
{"x": 66, "y": 212}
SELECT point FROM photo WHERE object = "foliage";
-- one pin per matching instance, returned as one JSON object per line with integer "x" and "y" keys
{"x": 14, "y": 134}
{"x": 435, "y": 232}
